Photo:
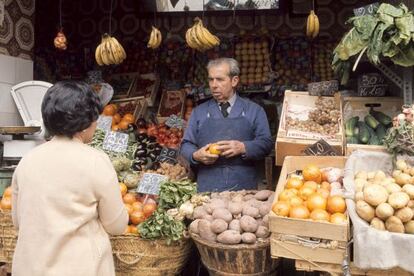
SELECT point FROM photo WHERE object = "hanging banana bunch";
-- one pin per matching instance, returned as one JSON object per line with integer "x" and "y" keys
{"x": 155, "y": 38}
{"x": 199, "y": 38}
{"x": 312, "y": 25}
{"x": 110, "y": 51}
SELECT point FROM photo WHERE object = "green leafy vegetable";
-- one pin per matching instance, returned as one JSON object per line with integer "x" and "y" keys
{"x": 175, "y": 193}
{"x": 400, "y": 139}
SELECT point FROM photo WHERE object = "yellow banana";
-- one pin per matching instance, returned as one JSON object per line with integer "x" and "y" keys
{"x": 104, "y": 52}
{"x": 98, "y": 55}
{"x": 194, "y": 37}
{"x": 316, "y": 28}
{"x": 188, "y": 39}
{"x": 111, "y": 57}
{"x": 117, "y": 48}
{"x": 112, "y": 49}
{"x": 202, "y": 36}
{"x": 151, "y": 40}
{"x": 310, "y": 24}
{"x": 120, "y": 48}
{"x": 158, "y": 36}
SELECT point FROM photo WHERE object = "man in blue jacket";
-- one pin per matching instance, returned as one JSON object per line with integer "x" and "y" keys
{"x": 238, "y": 126}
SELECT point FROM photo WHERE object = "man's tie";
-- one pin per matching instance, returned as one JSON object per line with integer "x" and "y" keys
{"x": 223, "y": 107}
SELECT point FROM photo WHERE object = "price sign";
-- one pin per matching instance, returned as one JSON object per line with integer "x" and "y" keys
{"x": 321, "y": 148}
{"x": 168, "y": 155}
{"x": 104, "y": 123}
{"x": 150, "y": 183}
{"x": 365, "y": 10}
{"x": 115, "y": 141}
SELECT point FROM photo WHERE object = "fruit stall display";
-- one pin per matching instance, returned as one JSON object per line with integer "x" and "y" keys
{"x": 321, "y": 57}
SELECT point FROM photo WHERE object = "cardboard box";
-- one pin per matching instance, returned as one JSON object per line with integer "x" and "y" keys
{"x": 360, "y": 106}
{"x": 295, "y": 146}
{"x": 306, "y": 239}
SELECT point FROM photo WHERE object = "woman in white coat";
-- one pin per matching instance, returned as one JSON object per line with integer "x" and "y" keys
{"x": 66, "y": 197}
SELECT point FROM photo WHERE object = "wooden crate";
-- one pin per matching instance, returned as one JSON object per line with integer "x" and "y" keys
{"x": 297, "y": 238}
{"x": 166, "y": 107}
{"x": 140, "y": 104}
{"x": 359, "y": 106}
{"x": 295, "y": 146}
{"x": 335, "y": 269}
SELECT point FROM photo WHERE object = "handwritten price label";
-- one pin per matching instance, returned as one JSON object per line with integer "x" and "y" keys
{"x": 150, "y": 183}
{"x": 116, "y": 142}
{"x": 321, "y": 148}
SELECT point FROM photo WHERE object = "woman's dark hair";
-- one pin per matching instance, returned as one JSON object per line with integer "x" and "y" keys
{"x": 69, "y": 107}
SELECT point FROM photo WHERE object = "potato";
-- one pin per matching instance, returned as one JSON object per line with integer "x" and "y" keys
{"x": 218, "y": 203}
{"x": 248, "y": 224}
{"x": 412, "y": 171}
{"x": 365, "y": 211}
{"x": 392, "y": 188}
{"x": 403, "y": 179}
{"x": 224, "y": 214}
{"x": 264, "y": 209}
{"x": 395, "y": 173}
{"x": 237, "y": 198}
{"x": 225, "y": 195}
{"x": 409, "y": 190}
{"x": 379, "y": 175}
{"x": 208, "y": 217}
{"x": 377, "y": 224}
{"x": 249, "y": 238}
{"x": 410, "y": 204}
{"x": 205, "y": 232}
{"x": 209, "y": 209}
{"x": 253, "y": 203}
{"x": 375, "y": 194}
{"x": 394, "y": 224}
{"x": 359, "y": 196}
{"x": 404, "y": 214}
{"x": 371, "y": 175}
{"x": 199, "y": 212}
{"x": 263, "y": 195}
{"x": 248, "y": 197}
{"x": 398, "y": 200}
{"x": 265, "y": 221}
{"x": 218, "y": 226}
{"x": 262, "y": 232}
{"x": 250, "y": 211}
{"x": 359, "y": 184}
{"x": 235, "y": 225}
{"x": 215, "y": 195}
{"x": 235, "y": 207}
{"x": 401, "y": 164}
{"x": 361, "y": 175}
{"x": 384, "y": 211}
{"x": 229, "y": 237}
{"x": 407, "y": 170}
{"x": 409, "y": 227}
{"x": 194, "y": 226}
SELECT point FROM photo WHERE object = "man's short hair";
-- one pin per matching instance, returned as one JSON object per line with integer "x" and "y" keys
{"x": 233, "y": 65}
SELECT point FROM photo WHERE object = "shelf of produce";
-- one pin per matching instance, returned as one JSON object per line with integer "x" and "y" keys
{"x": 336, "y": 269}
{"x": 135, "y": 105}
{"x": 172, "y": 103}
{"x": 286, "y": 144}
{"x": 301, "y": 239}
{"x": 360, "y": 106}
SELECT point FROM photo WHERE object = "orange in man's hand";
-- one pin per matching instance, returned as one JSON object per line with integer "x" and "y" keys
{"x": 213, "y": 149}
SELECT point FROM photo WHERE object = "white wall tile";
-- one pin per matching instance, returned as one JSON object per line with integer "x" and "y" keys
{"x": 24, "y": 70}
{"x": 6, "y": 100}
{"x": 10, "y": 119}
{"x": 7, "y": 69}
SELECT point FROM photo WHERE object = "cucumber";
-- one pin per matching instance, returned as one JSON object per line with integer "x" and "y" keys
{"x": 371, "y": 121}
{"x": 352, "y": 140}
{"x": 373, "y": 138}
{"x": 381, "y": 131}
{"x": 350, "y": 125}
{"x": 363, "y": 134}
{"x": 356, "y": 130}
{"x": 381, "y": 117}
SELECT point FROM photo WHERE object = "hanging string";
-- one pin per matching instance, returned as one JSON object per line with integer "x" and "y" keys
{"x": 236, "y": 2}
{"x": 155, "y": 19}
{"x": 202, "y": 14}
{"x": 60, "y": 14}
{"x": 110, "y": 17}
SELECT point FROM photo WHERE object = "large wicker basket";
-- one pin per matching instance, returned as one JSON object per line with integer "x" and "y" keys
{"x": 8, "y": 238}
{"x": 240, "y": 259}
{"x": 134, "y": 256}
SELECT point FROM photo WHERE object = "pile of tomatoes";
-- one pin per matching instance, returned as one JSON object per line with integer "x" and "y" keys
{"x": 139, "y": 208}
{"x": 165, "y": 136}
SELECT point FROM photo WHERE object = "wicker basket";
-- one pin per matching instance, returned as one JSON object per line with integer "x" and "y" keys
{"x": 8, "y": 237}
{"x": 134, "y": 256}
{"x": 240, "y": 259}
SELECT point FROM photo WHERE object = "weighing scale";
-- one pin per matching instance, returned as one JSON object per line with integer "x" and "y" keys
{"x": 28, "y": 97}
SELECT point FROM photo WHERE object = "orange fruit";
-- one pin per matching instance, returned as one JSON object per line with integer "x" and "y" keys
{"x": 213, "y": 149}
{"x": 316, "y": 201}
{"x": 137, "y": 217}
{"x": 137, "y": 206}
{"x": 116, "y": 118}
{"x": 149, "y": 209}
{"x": 312, "y": 173}
{"x": 338, "y": 218}
{"x": 133, "y": 229}
{"x": 123, "y": 188}
{"x": 323, "y": 192}
{"x": 294, "y": 182}
{"x": 326, "y": 185}
{"x": 311, "y": 184}
{"x": 129, "y": 198}
{"x": 109, "y": 110}
{"x": 336, "y": 204}
{"x": 295, "y": 201}
{"x": 286, "y": 194}
{"x": 123, "y": 125}
{"x": 129, "y": 118}
{"x": 5, "y": 203}
{"x": 299, "y": 212}
{"x": 129, "y": 208}
{"x": 8, "y": 192}
{"x": 281, "y": 208}
{"x": 305, "y": 192}
{"x": 127, "y": 229}
{"x": 319, "y": 215}
{"x": 115, "y": 127}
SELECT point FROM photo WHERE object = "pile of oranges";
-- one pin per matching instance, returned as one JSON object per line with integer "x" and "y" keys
{"x": 118, "y": 122}
{"x": 6, "y": 201}
{"x": 138, "y": 210}
{"x": 309, "y": 197}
